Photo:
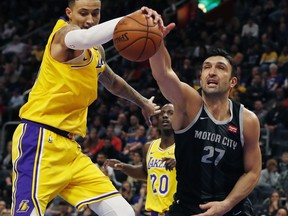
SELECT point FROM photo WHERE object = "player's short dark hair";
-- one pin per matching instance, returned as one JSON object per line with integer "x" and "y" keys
{"x": 71, "y": 3}
{"x": 224, "y": 53}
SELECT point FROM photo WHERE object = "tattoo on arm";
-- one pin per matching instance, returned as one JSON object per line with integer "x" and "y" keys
{"x": 116, "y": 85}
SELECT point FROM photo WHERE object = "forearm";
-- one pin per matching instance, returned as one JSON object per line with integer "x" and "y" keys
{"x": 136, "y": 172}
{"x": 119, "y": 87}
{"x": 160, "y": 62}
{"x": 242, "y": 189}
{"x": 81, "y": 39}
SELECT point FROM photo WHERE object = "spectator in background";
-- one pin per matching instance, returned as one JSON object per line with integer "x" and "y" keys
{"x": 115, "y": 141}
{"x": 90, "y": 142}
{"x": 140, "y": 200}
{"x": 97, "y": 123}
{"x": 8, "y": 31}
{"x": 283, "y": 163}
{"x": 121, "y": 126}
{"x": 281, "y": 34}
{"x": 2, "y": 206}
{"x": 108, "y": 171}
{"x": 271, "y": 204}
{"x": 15, "y": 102}
{"x": 6, "y": 186}
{"x": 256, "y": 89}
{"x": 17, "y": 47}
{"x": 250, "y": 29}
{"x": 274, "y": 80}
{"x": 277, "y": 117}
{"x": 250, "y": 32}
{"x": 252, "y": 56}
{"x": 187, "y": 72}
{"x": 260, "y": 111}
{"x": 282, "y": 60}
{"x": 133, "y": 125}
{"x": 59, "y": 207}
{"x": 7, "y": 159}
{"x": 268, "y": 57}
{"x": 281, "y": 212}
{"x": 282, "y": 186}
{"x": 154, "y": 133}
{"x": 268, "y": 178}
{"x": 136, "y": 140}
{"x": 108, "y": 149}
{"x": 126, "y": 191}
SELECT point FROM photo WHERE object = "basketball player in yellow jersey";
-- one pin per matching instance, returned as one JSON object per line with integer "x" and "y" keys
{"x": 157, "y": 167}
{"x": 47, "y": 161}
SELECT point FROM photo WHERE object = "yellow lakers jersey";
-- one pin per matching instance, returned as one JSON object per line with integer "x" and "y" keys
{"x": 161, "y": 183}
{"x": 63, "y": 91}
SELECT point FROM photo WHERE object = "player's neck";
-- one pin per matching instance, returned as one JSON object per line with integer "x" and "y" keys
{"x": 166, "y": 141}
{"x": 220, "y": 110}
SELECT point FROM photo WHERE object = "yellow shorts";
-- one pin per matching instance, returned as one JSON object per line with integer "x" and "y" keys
{"x": 46, "y": 164}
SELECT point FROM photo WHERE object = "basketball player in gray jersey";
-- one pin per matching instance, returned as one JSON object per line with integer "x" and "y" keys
{"x": 217, "y": 140}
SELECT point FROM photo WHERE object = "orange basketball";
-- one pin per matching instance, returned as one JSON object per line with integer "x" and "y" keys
{"x": 136, "y": 37}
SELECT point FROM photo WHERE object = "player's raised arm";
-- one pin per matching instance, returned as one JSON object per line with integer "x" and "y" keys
{"x": 173, "y": 89}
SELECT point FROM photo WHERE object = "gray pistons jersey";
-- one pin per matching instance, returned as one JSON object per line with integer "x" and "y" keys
{"x": 209, "y": 155}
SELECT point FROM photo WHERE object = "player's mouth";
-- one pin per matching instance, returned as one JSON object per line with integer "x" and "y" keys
{"x": 165, "y": 122}
{"x": 212, "y": 83}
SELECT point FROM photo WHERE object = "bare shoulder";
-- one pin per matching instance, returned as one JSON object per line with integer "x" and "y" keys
{"x": 250, "y": 118}
{"x": 251, "y": 128}
{"x": 60, "y": 35}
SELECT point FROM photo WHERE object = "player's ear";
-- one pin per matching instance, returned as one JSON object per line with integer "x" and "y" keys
{"x": 68, "y": 13}
{"x": 233, "y": 82}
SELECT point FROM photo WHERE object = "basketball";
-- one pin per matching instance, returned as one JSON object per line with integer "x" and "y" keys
{"x": 136, "y": 37}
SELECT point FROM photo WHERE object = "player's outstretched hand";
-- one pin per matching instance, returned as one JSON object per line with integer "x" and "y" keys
{"x": 154, "y": 15}
{"x": 158, "y": 19}
{"x": 150, "y": 109}
{"x": 115, "y": 164}
{"x": 170, "y": 163}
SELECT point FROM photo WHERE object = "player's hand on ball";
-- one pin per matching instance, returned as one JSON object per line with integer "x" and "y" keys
{"x": 150, "y": 109}
{"x": 157, "y": 19}
{"x": 152, "y": 13}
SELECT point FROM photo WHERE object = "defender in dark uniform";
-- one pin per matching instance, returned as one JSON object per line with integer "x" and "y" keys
{"x": 216, "y": 139}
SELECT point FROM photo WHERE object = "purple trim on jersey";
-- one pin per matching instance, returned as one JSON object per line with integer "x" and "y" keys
{"x": 153, "y": 213}
{"x": 28, "y": 147}
{"x": 96, "y": 199}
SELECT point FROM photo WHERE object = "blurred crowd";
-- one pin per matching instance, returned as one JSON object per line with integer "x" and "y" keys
{"x": 256, "y": 35}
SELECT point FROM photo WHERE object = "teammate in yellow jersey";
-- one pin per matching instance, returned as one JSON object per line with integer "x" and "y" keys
{"x": 47, "y": 161}
{"x": 157, "y": 167}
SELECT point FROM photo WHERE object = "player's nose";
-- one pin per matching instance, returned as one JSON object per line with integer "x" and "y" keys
{"x": 90, "y": 21}
{"x": 212, "y": 71}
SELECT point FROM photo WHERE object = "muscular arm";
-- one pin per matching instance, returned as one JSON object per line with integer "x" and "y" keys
{"x": 118, "y": 86}
{"x": 185, "y": 99}
{"x": 135, "y": 171}
{"x": 252, "y": 159}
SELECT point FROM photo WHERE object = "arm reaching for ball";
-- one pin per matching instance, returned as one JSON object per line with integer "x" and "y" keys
{"x": 80, "y": 39}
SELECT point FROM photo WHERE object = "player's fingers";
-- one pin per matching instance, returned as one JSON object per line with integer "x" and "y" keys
{"x": 151, "y": 99}
{"x": 168, "y": 28}
{"x": 152, "y": 13}
{"x": 157, "y": 111}
{"x": 147, "y": 11}
{"x": 148, "y": 121}
{"x": 106, "y": 163}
